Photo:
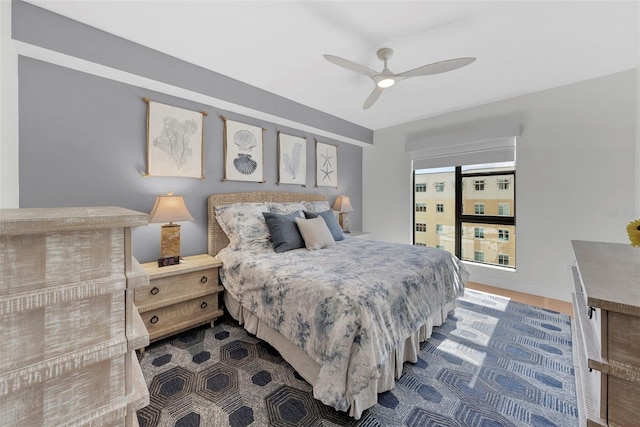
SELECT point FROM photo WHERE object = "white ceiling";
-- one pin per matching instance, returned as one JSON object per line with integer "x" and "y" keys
{"x": 520, "y": 46}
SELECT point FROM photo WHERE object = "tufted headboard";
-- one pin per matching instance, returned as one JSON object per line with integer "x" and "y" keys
{"x": 217, "y": 239}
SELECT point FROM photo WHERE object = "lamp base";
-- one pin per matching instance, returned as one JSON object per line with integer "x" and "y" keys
{"x": 344, "y": 223}
{"x": 170, "y": 240}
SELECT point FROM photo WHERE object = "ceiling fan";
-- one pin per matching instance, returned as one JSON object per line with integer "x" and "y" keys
{"x": 386, "y": 78}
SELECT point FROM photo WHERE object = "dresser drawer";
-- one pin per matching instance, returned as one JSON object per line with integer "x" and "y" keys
{"x": 168, "y": 320}
{"x": 171, "y": 287}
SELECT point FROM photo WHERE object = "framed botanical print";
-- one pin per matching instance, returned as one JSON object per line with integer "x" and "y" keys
{"x": 326, "y": 165}
{"x": 292, "y": 159}
{"x": 243, "y": 152}
{"x": 175, "y": 141}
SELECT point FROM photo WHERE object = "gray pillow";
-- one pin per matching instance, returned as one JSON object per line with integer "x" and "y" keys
{"x": 284, "y": 231}
{"x": 330, "y": 219}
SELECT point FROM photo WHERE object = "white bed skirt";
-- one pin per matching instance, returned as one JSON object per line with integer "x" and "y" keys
{"x": 309, "y": 369}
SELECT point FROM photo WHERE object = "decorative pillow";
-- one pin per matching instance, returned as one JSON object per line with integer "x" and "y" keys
{"x": 286, "y": 208}
{"x": 330, "y": 218}
{"x": 315, "y": 233}
{"x": 243, "y": 223}
{"x": 317, "y": 206}
{"x": 284, "y": 231}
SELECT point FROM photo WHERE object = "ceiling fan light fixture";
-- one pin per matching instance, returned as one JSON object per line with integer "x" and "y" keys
{"x": 385, "y": 83}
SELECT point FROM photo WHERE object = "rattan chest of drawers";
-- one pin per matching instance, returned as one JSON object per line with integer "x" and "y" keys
{"x": 68, "y": 326}
{"x": 179, "y": 297}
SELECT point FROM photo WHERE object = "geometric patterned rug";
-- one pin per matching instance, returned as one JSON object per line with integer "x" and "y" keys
{"x": 493, "y": 363}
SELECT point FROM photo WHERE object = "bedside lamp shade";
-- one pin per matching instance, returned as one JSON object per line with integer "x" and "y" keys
{"x": 343, "y": 205}
{"x": 170, "y": 209}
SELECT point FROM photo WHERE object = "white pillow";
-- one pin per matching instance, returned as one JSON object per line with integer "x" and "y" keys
{"x": 316, "y": 206}
{"x": 244, "y": 224}
{"x": 315, "y": 233}
{"x": 286, "y": 208}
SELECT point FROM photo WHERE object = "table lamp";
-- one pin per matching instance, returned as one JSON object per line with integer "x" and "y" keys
{"x": 343, "y": 205}
{"x": 169, "y": 209}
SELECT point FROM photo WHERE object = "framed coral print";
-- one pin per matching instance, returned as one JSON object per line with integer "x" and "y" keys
{"x": 326, "y": 165}
{"x": 175, "y": 139}
{"x": 292, "y": 159}
{"x": 243, "y": 152}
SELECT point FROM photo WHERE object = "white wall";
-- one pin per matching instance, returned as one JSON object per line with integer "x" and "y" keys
{"x": 576, "y": 161}
{"x": 8, "y": 112}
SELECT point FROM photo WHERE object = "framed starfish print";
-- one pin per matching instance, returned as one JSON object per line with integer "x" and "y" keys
{"x": 326, "y": 165}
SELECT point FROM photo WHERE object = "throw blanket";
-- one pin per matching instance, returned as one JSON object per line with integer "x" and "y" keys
{"x": 347, "y": 306}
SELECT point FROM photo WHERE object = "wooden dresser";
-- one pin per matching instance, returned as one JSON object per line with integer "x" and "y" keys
{"x": 179, "y": 297}
{"x": 68, "y": 326}
{"x": 606, "y": 341}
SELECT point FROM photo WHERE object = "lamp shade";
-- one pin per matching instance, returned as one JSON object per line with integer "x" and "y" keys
{"x": 342, "y": 204}
{"x": 170, "y": 208}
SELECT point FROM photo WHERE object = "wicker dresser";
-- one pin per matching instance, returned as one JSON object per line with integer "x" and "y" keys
{"x": 68, "y": 326}
{"x": 606, "y": 340}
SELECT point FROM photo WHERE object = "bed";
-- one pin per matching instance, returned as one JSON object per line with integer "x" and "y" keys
{"x": 346, "y": 317}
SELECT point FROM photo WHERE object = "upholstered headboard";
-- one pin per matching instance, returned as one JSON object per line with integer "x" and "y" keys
{"x": 217, "y": 239}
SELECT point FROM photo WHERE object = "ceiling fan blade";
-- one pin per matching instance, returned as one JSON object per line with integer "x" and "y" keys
{"x": 350, "y": 65}
{"x": 438, "y": 67}
{"x": 372, "y": 98}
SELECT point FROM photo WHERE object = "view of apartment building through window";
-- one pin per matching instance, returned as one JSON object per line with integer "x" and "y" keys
{"x": 482, "y": 228}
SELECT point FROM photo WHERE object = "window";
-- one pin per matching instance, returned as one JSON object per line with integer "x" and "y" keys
{"x": 421, "y": 207}
{"x": 420, "y": 244}
{"x": 479, "y": 222}
{"x": 421, "y": 227}
{"x": 421, "y": 188}
{"x": 439, "y": 247}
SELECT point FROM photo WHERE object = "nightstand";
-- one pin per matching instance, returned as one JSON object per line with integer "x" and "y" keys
{"x": 360, "y": 235}
{"x": 179, "y": 297}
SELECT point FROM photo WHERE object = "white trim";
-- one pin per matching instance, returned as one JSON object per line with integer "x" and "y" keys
{"x": 74, "y": 63}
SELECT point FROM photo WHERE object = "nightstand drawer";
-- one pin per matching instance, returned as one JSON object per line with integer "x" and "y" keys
{"x": 167, "y": 320}
{"x": 169, "y": 288}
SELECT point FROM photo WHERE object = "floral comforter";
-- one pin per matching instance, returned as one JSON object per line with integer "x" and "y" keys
{"x": 348, "y": 306}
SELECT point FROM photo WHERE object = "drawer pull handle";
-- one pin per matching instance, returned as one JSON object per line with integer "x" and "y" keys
{"x": 590, "y": 312}
{"x": 203, "y": 279}
{"x": 203, "y": 305}
{"x": 154, "y": 320}
{"x": 154, "y": 291}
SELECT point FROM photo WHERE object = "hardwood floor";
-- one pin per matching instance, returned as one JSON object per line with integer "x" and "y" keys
{"x": 538, "y": 301}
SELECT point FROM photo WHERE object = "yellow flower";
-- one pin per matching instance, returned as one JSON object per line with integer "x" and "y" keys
{"x": 633, "y": 229}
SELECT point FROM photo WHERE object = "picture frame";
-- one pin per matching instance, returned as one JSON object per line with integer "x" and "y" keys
{"x": 292, "y": 159}
{"x": 175, "y": 141}
{"x": 326, "y": 165}
{"x": 243, "y": 152}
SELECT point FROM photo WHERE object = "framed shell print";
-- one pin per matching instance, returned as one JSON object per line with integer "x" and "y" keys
{"x": 292, "y": 159}
{"x": 243, "y": 152}
{"x": 175, "y": 141}
{"x": 326, "y": 165}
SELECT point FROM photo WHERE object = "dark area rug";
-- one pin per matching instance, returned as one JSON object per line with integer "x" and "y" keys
{"x": 493, "y": 363}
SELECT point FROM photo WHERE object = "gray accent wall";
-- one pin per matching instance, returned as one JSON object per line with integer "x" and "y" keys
{"x": 83, "y": 140}
{"x": 40, "y": 27}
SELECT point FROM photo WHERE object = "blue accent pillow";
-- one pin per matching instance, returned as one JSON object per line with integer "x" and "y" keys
{"x": 330, "y": 219}
{"x": 285, "y": 234}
